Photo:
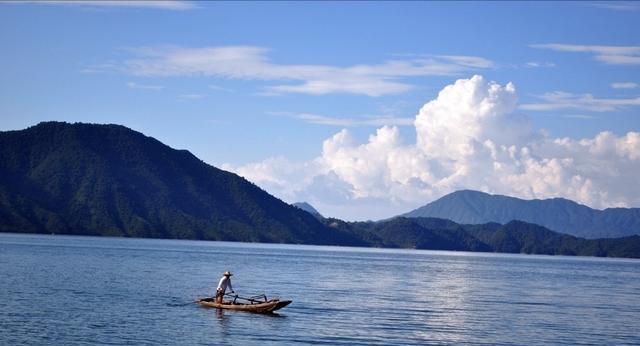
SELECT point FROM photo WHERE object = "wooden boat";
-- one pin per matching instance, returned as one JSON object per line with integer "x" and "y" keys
{"x": 251, "y": 305}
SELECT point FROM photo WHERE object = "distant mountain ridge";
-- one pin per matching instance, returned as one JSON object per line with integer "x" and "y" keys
{"x": 513, "y": 237}
{"x": 558, "y": 214}
{"x": 309, "y": 209}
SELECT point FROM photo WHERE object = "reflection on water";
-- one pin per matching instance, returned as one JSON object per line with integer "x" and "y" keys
{"x": 136, "y": 291}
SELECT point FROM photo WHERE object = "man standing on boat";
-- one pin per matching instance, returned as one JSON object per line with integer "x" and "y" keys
{"x": 225, "y": 282}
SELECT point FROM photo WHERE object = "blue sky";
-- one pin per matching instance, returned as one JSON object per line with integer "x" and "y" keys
{"x": 259, "y": 88}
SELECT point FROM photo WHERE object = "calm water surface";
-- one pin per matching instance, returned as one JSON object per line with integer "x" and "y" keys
{"x": 83, "y": 290}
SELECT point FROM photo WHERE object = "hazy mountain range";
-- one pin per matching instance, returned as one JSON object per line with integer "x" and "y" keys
{"x": 112, "y": 181}
{"x": 558, "y": 214}
{"x": 309, "y": 209}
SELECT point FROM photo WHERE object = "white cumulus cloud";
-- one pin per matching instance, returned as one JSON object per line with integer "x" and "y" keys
{"x": 470, "y": 137}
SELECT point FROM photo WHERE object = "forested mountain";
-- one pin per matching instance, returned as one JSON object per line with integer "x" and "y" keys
{"x": 558, "y": 214}
{"x": 513, "y": 237}
{"x": 110, "y": 180}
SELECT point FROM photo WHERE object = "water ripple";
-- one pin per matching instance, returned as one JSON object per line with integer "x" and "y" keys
{"x": 138, "y": 291}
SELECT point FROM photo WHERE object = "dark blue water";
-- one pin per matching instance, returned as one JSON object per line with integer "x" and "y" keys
{"x": 84, "y": 290}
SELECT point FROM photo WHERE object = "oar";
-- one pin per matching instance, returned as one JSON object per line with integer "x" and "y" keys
{"x": 247, "y": 299}
{"x": 235, "y": 296}
{"x": 195, "y": 301}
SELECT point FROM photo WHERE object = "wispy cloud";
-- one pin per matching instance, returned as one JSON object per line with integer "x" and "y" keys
{"x": 617, "y": 5}
{"x": 580, "y": 116}
{"x": 536, "y": 64}
{"x": 587, "y": 102}
{"x": 252, "y": 63}
{"x": 614, "y": 55}
{"x": 347, "y": 121}
{"x": 219, "y": 88}
{"x": 468, "y": 61}
{"x": 624, "y": 85}
{"x": 134, "y": 85}
{"x": 191, "y": 96}
{"x": 162, "y": 5}
{"x": 101, "y": 68}
{"x": 370, "y": 87}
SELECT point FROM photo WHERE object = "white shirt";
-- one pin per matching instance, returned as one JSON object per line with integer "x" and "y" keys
{"x": 224, "y": 283}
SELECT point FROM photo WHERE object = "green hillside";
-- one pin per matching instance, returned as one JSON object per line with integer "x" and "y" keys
{"x": 110, "y": 180}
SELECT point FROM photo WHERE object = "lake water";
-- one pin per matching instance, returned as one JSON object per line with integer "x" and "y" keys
{"x": 67, "y": 290}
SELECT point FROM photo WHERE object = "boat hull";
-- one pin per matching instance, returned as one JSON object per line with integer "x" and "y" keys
{"x": 257, "y": 307}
